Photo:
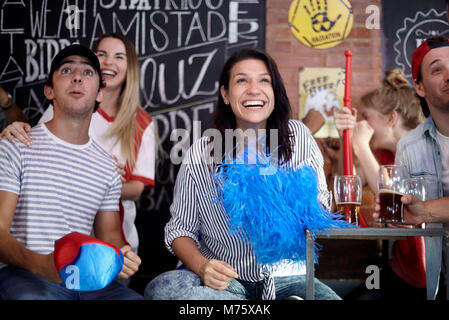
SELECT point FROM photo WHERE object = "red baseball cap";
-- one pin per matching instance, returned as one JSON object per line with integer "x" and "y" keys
{"x": 421, "y": 51}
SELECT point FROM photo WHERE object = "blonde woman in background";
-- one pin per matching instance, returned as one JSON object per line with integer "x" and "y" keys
{"x": 387, "y": 113}
{"x": 119, "y": 125}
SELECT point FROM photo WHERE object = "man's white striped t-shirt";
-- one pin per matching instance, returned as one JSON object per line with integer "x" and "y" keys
{"x": 61, "y": 187}
{"x": 195, "y": 211}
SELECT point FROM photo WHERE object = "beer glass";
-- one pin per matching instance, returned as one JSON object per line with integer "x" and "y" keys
{"x": 390, "y": 184}
{"x": 348, "y": 196}
{"x": 417, "y": 187}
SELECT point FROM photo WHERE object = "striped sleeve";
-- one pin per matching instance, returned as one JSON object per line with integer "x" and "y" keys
{"x": 10, "y": 167}
{"x": 111, "y": 197}
{"x": 308, "y": 153}
{"x": 184, "y": 220}
{"x": 316, "y": 161}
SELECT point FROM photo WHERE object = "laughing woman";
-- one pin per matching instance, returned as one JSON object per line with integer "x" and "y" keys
{"x": 252, "y": 97}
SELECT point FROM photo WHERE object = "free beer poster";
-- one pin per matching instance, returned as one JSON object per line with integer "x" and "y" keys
{"x": 322, "y": 89}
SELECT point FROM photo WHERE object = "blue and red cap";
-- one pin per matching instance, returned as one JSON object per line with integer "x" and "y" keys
{"x": 85, "y": 263}
{"x": 420, "y": 52}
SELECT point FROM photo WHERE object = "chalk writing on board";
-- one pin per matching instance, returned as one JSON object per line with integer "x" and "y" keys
{"x": 170, "y": 37}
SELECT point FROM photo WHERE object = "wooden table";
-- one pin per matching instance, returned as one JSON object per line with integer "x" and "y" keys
{"x": 361, "y": 234}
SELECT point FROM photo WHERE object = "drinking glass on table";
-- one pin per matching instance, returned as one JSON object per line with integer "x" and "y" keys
{"x": 391, "y": 188}
{"x": 348, "y": 196}
{"x": 417, "y": 187}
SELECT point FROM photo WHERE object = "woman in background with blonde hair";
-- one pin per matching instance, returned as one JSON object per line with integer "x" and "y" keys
{"x": 119, "y": 125}
{"x": 387, "y": 113}
{"x": 122, "y": 127}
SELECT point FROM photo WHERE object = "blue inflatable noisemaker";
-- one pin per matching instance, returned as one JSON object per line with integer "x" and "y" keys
{"x": 86, "y": 263}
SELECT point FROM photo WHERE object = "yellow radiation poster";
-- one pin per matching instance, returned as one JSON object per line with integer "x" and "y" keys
{"x": 320, "y": 24}
{"x": 322, "y": 89}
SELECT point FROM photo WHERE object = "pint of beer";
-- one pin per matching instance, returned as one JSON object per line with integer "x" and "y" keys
{"x": 391, "y": 189}
{"x": 350, "y": 210}
{"x": 391, "y": 208}
{"x": 348, "y": 196}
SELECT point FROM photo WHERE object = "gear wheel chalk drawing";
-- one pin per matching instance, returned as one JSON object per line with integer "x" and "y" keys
{"x": 414, "y": 31}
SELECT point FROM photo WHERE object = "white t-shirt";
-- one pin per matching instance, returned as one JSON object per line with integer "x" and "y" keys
{"x": 144, "y": 169}
{"x": 443, "y": 141}
{"x": 61, "y": 187}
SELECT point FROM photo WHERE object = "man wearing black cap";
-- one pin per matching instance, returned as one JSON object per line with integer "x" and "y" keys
{"x": 424, "y": 151}
{"x": 64, "y": 182}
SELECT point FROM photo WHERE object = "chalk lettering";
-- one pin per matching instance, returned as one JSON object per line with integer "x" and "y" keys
{"x": 195, "y": 25}
{"x": 181, "y": 44}
{"x": 135, "y": 21}
{"x": 235, "y": 21}
{"x": 111, "y": 5}
{"x": 199, "y": 80}
{"x": 151, "y": 69}
{"x": 39, "y": 54}
{"x": 158, "y": 36}
{"x": 217, "y": 23}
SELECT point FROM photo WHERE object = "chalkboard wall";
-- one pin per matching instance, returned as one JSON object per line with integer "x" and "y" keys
{"x": 405, "y": 25}
{"x": 182, "y": 45}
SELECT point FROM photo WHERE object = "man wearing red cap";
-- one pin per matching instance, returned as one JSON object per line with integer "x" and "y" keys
{"x": 424, "y": 151}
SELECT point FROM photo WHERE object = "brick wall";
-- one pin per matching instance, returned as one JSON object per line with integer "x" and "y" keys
{"x": 290, "y": 54}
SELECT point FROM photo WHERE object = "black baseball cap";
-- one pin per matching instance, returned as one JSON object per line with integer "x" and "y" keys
{"x": 75, "y": 49}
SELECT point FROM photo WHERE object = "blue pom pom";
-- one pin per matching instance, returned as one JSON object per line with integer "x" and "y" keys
{"x": 272, "y": 207}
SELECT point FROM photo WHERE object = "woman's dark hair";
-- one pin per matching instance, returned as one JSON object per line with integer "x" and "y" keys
{"x": 224, "y": 118}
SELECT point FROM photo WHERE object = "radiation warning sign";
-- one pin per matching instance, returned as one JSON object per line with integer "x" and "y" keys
{"x": 320, "y": 24}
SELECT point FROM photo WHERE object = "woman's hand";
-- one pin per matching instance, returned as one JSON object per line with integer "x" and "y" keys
{"x": 345, "y": 118}
{"x": 361, "y": 135}
{"x": 18, "y": 130}
{"x": 131, "y": 190}
{"x": 120, "y": 169}
{"x": 217, "y": 274}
